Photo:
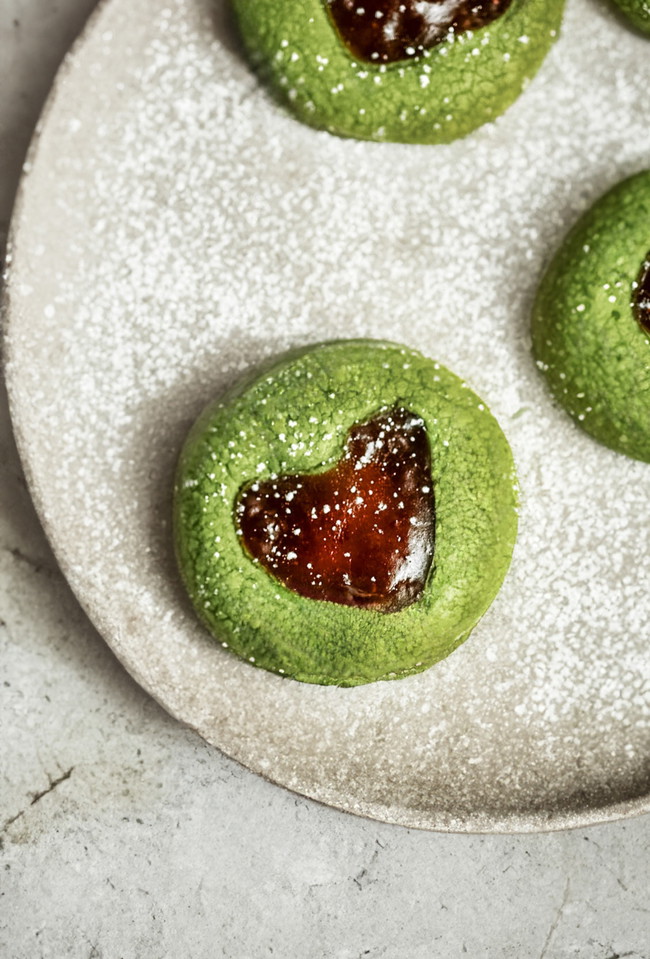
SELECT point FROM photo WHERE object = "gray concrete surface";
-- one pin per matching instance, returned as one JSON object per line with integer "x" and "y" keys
{"x": 124, "y": 835}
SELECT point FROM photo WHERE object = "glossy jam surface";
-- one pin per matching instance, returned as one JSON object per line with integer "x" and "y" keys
{"x": 360, "y": 534}
{"x": 383, "y": 31}
{"x": 642, "y": 296}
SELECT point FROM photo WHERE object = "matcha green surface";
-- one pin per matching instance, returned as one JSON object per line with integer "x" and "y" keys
{"x": 293, "y": 417}
{"x": 637, "y": 12}
{"x": 586, "y": 340}
{"x": 443, "y": 94}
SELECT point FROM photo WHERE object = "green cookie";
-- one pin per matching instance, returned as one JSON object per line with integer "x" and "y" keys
{"x": 291, "y": 419}
{"x": 433, "y": 96}
{"x": 588, "y": 337}
{"x": 637, "y": 12}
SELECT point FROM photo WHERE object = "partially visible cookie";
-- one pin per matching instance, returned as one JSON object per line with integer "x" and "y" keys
{"x": 345, "y": 516}
{"x": 591, "y": 320}
{"x": 637, "y": 12}
{"x": 412, "y": 71}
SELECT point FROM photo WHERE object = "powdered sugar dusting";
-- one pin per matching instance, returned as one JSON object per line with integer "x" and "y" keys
{"x": 177, "y": 228}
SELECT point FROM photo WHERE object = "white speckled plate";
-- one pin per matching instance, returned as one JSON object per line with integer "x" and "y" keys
{"x": 174, "y": 228}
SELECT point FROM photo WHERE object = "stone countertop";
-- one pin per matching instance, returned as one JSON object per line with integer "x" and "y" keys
{"x": 125, "y": 835}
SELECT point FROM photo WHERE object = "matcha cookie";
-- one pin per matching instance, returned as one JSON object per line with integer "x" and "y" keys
{"x": 637, "y": 12}
{"x": 591, "y": 320}
{"x": 346, "y": 515}
{"x": 411, "y": 71}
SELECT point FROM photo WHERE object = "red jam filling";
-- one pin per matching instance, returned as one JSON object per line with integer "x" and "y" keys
{"x": 360, "y": 534}
{"x": 383, "y": 31}
{"x": 641, "y": 300}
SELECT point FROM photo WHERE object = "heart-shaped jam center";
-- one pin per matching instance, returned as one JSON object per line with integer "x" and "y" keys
{"x": 359, "y": 534}
{"x": 642, "y": 296}
{"x": 383, "y": 31}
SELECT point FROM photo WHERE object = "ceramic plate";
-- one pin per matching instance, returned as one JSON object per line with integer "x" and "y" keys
{"x": 176, "y": 227}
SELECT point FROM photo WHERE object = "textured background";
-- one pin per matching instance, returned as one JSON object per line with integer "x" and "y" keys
{"x": 125, "y": 835}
